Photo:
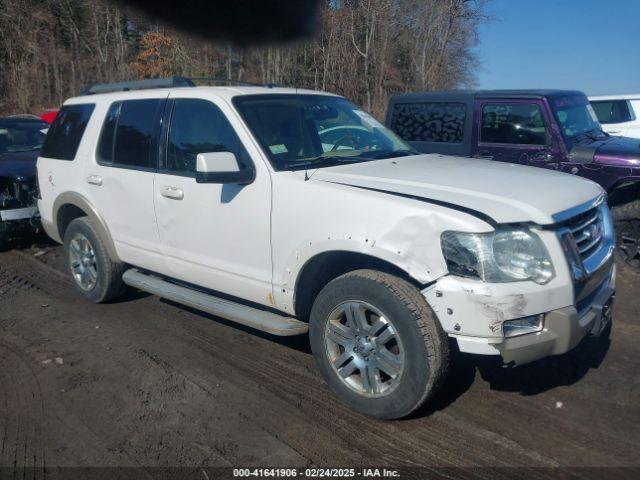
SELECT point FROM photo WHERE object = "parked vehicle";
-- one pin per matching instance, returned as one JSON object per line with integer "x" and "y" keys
{"x": 49, "y": 115}
{"x": 21, "y": 138}
{"x": 295, "y": 212}
{"x": 618, "y": 114}
{"x": 553, "y": 129}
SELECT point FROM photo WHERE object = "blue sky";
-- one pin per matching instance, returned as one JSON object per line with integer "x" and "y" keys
{"x": 588, "y": 45}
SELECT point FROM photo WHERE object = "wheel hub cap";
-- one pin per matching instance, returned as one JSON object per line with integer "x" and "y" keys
{"x": 82, "y": 260}
{"x": 364, "y": 349}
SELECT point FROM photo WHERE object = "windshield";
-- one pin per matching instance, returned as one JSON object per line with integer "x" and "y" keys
{"x": 575, "y": 116}
{"x": 297, "y": 131}
{"x": 21, "y": 136}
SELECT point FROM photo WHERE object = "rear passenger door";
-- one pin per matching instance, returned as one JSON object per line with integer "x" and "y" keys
{"x": 214, "y": 235}
{"x": 514, "y": 131}
{"x": 121, "y": 179}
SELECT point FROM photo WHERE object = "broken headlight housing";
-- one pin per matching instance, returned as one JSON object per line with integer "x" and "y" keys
{"x": 505, "y": 255}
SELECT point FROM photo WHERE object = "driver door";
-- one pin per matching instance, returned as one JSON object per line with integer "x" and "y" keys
{"x": 213, "y": 235}
{"x": 514, "y": 131}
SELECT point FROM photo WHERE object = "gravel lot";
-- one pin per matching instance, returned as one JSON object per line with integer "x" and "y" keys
{"x": 146, "y": 383}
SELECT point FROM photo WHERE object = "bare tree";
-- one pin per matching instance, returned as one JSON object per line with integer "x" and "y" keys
{"x": 365, "y": 50}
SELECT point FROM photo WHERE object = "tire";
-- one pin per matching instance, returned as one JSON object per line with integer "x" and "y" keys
{"x": 412, "y": 335}
{"x": 626, "y": 219}
{"x": 85, "y": 251}
{"x": 4, "y": 242}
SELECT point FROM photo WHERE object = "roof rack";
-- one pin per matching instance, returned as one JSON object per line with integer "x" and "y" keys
{"x": 170, "y": 82}
{"x": 226, "y": 81}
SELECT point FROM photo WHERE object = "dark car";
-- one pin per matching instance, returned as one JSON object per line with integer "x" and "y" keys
{"x": 21, "y": 138}
{"x": 554, "y": 129}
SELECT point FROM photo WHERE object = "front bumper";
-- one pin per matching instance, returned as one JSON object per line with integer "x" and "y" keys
{"x": 18, "y": 214}
{"x": 563, "y": 330}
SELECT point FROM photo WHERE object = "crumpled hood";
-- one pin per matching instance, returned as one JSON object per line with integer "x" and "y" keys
{"x": 18, "y": 164}
{"x": 506, "y": 193}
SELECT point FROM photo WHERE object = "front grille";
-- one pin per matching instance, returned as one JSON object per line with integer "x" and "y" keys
{"x": 588, "y": 231}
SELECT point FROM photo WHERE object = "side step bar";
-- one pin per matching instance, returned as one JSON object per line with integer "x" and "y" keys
{"x": 251, "y": 317}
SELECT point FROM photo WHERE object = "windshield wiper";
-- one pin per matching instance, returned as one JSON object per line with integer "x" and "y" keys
{"x": 323, "y": 159}
{"x": 392, "y": 153}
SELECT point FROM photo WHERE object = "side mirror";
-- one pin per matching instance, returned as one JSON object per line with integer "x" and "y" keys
{"x": 222, "y": 167}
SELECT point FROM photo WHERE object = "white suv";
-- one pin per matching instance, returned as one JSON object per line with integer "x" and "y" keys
{"x": 294, "y": 211}
{"x": 618, "y": 114}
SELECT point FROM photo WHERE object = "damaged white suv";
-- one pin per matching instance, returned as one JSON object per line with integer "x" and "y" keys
{"x": 293, "y": 211}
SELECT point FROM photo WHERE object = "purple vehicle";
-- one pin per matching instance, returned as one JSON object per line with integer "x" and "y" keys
{"x": 554, "y": 129}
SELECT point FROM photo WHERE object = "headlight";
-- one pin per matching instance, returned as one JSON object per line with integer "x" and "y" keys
{"x": 506, "y": 255}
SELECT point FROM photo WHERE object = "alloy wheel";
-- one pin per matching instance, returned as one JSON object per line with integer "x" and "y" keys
{"x": 364, "y": 349}
{"x": 82, "y": 260}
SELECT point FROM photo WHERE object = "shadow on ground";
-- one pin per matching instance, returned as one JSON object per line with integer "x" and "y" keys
{"x": 529, "y": 379}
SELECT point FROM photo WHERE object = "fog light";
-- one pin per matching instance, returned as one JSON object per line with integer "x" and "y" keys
{"x": 521, "y": 326}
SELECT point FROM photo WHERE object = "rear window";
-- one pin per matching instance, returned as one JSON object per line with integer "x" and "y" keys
{"x": 66, "y": 131}
{"x": 441, "y": 122}
{"x": 128, "y": 132}
{"x": 612, "y": 111}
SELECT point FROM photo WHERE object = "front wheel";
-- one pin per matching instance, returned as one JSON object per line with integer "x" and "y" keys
{"x": 377, "y": 343}
{"x": 627, "y": 225}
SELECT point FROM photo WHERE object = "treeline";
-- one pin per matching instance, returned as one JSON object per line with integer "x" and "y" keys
{"x": 366, "y": 50}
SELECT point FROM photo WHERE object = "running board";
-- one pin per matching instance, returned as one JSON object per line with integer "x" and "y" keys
{"x": 251, "y": 317}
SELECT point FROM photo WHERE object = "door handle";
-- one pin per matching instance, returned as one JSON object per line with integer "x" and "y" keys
{"x": 94, "y": 180}
{"x": 174, "y": 193}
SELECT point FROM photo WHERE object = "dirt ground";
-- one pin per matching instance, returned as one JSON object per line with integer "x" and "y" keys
{"x": 147, "y": 383}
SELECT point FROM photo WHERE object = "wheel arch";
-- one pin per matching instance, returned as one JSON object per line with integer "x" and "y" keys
{"x": 71, "y": 205}
{"x": 625, "y": 190}
{"x": 324, "y": 267}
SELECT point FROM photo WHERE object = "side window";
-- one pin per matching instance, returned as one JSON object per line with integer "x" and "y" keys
{"x": 127, "y": 134}
{"x": 63, "y": 138}
{"x": 612, "y": 111}
{"x": 198, "y": 126}
{"x": 107, "y": 135}
{"x": 429, "y": 122}
{"x": 517, "y": 124}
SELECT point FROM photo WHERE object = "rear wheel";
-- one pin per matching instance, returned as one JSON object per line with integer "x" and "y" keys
{"x": 626, "y": 219}
{"x": 96, "y": 276}
{"x": 377, "y": 343}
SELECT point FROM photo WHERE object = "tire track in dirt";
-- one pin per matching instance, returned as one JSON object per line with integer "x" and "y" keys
{"x": 286, "y": 382}
{"x": 306, "y": 394}
{"x": 22, "y": 418}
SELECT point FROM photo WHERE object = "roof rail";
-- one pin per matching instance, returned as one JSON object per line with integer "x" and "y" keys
{"x": 170, "y": 82}
{"x": 226, "y": 81}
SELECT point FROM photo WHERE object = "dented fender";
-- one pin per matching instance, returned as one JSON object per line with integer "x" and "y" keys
{"x": 331, "y": 217}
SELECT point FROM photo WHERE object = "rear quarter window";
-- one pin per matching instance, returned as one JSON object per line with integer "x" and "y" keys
{"x": 65, "y": 134}
{"x": 429, "y": 121}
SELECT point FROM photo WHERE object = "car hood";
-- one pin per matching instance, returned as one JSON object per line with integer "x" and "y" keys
{"x": 617, "y": 151}
{"x": 504, "y": 192}
{"x": 18, "y": 164}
